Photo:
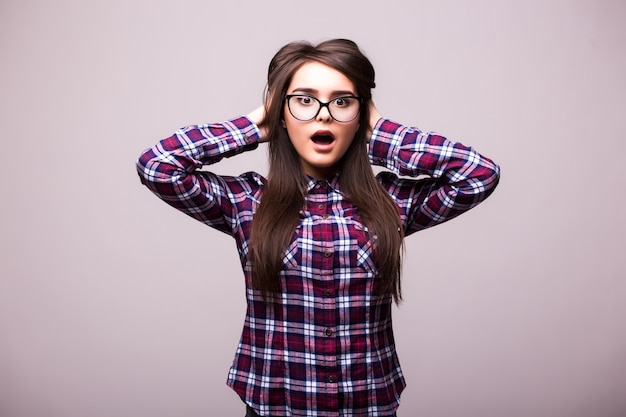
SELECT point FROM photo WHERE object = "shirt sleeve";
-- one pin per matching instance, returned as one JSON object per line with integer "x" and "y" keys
{"x": 171, "y": 170}
{"x": 448, "y": 178}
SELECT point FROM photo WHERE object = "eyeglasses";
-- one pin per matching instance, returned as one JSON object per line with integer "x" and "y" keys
{"x": 304, "y": 108}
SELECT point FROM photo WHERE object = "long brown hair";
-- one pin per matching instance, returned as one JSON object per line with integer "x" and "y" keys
{"x": 283, "y": 198}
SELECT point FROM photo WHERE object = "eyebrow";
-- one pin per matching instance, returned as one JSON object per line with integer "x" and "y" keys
{"x": 314, "y": 91}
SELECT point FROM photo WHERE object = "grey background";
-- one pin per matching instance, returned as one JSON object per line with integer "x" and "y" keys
{"x": 113, "y": 304}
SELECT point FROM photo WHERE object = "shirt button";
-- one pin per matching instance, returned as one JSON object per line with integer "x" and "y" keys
{"x": 328, "y": 292}
{"x": 320, "y": 206}
{"x": 327, "y": 254}
{"x": 331, "y": 378}
{"x": 325, "y": 216}
{"x": 329, "y": 332}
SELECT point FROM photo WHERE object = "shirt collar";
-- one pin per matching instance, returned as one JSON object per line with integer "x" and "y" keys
{"x": 333, "y": 182}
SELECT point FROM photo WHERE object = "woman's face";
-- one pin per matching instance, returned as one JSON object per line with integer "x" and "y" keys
{"x": 322, "y": 141}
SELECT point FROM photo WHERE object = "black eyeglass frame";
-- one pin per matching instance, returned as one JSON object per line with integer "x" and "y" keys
{"x": 322, "y": 104}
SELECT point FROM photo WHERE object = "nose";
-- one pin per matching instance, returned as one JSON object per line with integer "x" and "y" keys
{"x": 324, "y": 113}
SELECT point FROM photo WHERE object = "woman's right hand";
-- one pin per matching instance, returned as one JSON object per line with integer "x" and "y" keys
{"x": 258, "y": 117}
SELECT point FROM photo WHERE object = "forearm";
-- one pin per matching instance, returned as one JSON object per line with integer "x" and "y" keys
{"x": 190, "y": 148}
{"x": 171, "y": 169}
{"x": 410, "y": 152}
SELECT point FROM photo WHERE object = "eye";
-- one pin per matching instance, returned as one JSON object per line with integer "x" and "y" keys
{"x": 343, "y": 101}
{"x": 305, "y": 100}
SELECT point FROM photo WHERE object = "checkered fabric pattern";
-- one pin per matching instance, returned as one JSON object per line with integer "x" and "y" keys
{"x": 325, "y": 345}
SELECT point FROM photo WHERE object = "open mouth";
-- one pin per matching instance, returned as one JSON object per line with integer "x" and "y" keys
{"x": 323, "y": 138}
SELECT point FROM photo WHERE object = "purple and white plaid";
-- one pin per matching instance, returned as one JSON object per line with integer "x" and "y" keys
{"x": 325, "y": 346}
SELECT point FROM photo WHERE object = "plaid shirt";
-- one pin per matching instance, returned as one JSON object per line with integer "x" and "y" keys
{"x": 325, "y": 346}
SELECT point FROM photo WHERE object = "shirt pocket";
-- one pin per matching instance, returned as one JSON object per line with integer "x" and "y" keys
{"x": 363, "y": 251}
{"x": 292, "y": 257}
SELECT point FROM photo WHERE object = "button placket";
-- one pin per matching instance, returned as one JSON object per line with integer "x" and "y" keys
{"x": 324, "y": 235}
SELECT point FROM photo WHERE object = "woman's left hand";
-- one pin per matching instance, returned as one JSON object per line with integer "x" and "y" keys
{"x": 374, "y": 117}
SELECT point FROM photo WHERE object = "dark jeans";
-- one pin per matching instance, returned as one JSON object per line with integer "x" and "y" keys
{"x": 251, "y": 413}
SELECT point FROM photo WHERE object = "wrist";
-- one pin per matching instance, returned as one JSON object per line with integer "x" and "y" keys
{"x": 257, "y": 115}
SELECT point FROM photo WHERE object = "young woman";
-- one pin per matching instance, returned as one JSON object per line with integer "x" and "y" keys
{"x": 320, "y": 239}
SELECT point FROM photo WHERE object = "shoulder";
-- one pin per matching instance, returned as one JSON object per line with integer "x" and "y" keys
{"x": 254, "y": 179}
